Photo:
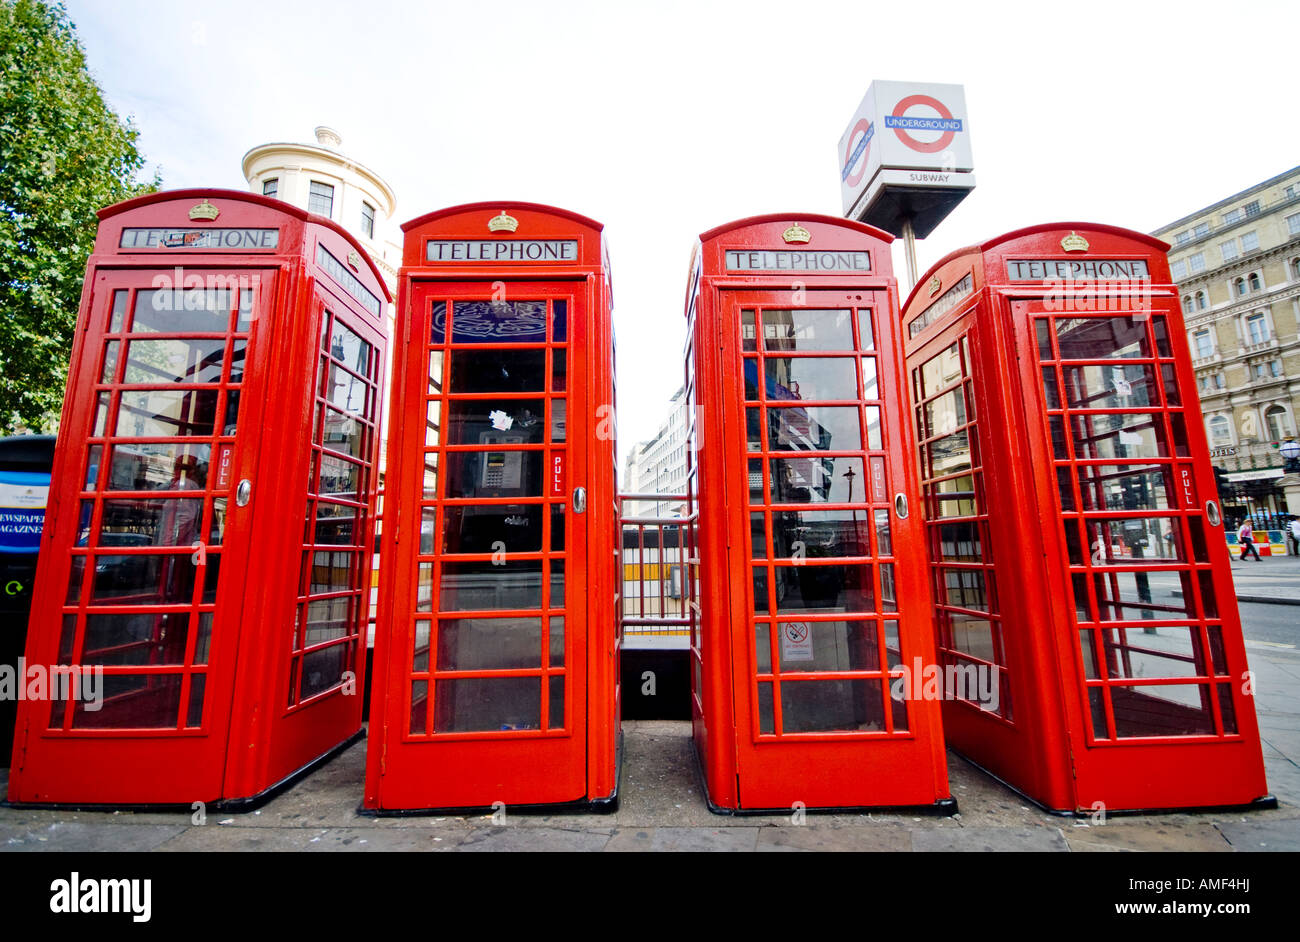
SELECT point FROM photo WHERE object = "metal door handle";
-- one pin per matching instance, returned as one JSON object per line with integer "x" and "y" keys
{"x": 900, "y": 506}
{"x": 243, "y": 493}
{"x": 579, "y": 499}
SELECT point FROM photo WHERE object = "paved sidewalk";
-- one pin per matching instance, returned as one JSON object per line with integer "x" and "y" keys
{"x": 1273, "y": 579}
{"x": 662, "y": 809}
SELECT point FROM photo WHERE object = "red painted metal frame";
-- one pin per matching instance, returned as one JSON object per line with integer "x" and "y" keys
{"x": 249, "y": 739}
{"x": 1047, "y": 748}
{"x": 745, "y": 769}
{"x": 408, "y": 771}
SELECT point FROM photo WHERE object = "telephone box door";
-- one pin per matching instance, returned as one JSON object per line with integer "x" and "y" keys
{"x": 152, "y": 535}
{"x": 817, "y": 449}
{"x": 494, "y": 592}
{"x": 1155, "y": 647}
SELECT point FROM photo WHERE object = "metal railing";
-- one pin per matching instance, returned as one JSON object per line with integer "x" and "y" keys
{"x": 659, "y": 574}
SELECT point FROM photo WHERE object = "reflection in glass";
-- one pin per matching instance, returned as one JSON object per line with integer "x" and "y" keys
{"x": 482, "y": 704}
{"x": 499, "y": 322}
{"x": 817, "y": 480}
{"x": 1121, "y": 386}
{"x": 132, "y": 701}
{"x": 137, "y": 638}
{"x": 182, "y": 312}
{"x": 1125, "y": 487}
{"x": 1123, "y": 540}
{"x": 820, "y": 706}
{"x": 818, "y": 534}
{"x": 324, "y": 669}
{"x": 1164, "y": 710}
{"x": 491, "y": 528}
{"x": 496, "y": 421}
{"x": 807, "y": 329}
{"x": 809, "y": 378}
{"x": 814, "y": 428}
{"x": 177, "y": 466}
{"x": 505, "y": 473}
{"x": 815, "y": 588}
{"x": 830, "y": 646}
{"x": 144, "y": 579}
{"x": 490, "y": 371}
{"x": 174, "y": 361}
{"x": 1118, "y": 435}
{"x": 481, "y": 586}
{"x": 150, "y": 522}
{"x": 1102, "y": 338}
{"x": 467, "y": 644}
{"x": 349, "y": 349}
{"x": 164, "y": 413}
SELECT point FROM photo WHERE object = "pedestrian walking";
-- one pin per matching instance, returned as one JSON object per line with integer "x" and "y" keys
{"x": 1246, "y": 537}
{"x": 1295, "y": 536}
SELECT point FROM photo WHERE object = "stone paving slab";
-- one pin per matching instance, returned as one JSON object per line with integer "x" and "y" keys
{"x": 985, "y": 839}
{"x": 85, "y": 836}
{"x": 1256, "y": 835}
{"x": 889, "y": 838}
{"x": 737, "y": 838}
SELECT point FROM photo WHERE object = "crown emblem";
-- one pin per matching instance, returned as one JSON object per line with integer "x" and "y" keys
{"x": 796, "y": 233}
{"x": 1074, "y": 243}
{"x": 354, "y": 260}
{"x": 935, "y": 285}
{"x": 205, "y": 211}
{"x": 503, "y": 223}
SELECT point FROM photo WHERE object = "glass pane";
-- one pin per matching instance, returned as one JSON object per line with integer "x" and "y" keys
{"x": 165, "y": 467}
{"x": 430, "y": 475}
{"x": 814, "y": 534}
{"x": 164, "y": 413}
{"x": 940, "y": 371}
{"x": 466, "y": 644}
{"x": 94, "y": 459}
{"x": 815, "y": 428}
{"x": 758, "y": 537}
{"x": 110, "y": 362}
{"x": 766, "y": 712}
{"x": 1125, "y": 386}
{"x": 481, "y": 586}
{"x": 349, "y": 349}
{"x": 139, "y": 638}
{"x": 489, "y": 371}
{"x": 748, "y": 331}
{"x": 419, "y": 706}
{"x": 1125, "y": 487}
{"x": 438, "y": 325}
{"x": 817, "y": 480}
{"x": 494, "y": 474}
{"x": 820, "y": 706}
{"x": 866, "y": 334}
{"x": 1153, "y": 652}
{"x": 493, "y": 528}
{"x": 330, "y": 571}
{"x": 203, "y": 642}
{"x": 477, "y": 704}
{"x": 324, "y": 669}
{"x": 327, "y": 620}
{"x": 119, "y": 311}
{"x": 194, "y": 713}
{"x": 557, "y": 530}
{"x": 498, "y": 322}
{"x": 101, "y": 413}
{"x": 1165, "y": 710}
{"x": 1118, "y": 435}
{"x": 555, "y": 719}
{"x": 810, "y": 588}
{"x": 132, "y": 701}
{"x": 150, "y": 522}
{"x": 884, "y": 545}
{"x": 559, "y": 370}
{"x": 338, "y": 476}
{"x": 870, "y": 387}
{"x": 174, "y": 361}
{"x": 971, "y": 635}
{"x": 944, "y": 414}
{"x": 964, "y": 588}
{"x": 828, "y": 646}
{"x": 182, "y": 312}
{"x": 152, "y": 579}
{"x": 762, "y": 648}
{"x": 435, "y": 372}
{"x": 1118, "y": 541}
{"x": 874, "y": 439}
{"x": 557, "y": 639}
{"x": 559, "y": 321}
{"x": 1098, "y": 338}
{"x": 346, "y": 391}
{"x": 1127, "y": 596}
{"x": 958, "y": 541}
{"x": 343, "y": 433}
{"x": 496, "y": 422}
{"x": 810, "y": 378}
{"x": 807, "y": 329}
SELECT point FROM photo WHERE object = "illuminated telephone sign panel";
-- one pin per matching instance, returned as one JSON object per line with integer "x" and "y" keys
{"x": 811, "y": 647}
{"x": 204, "y": 586}
{"x": 1075, "y": 541}
{"x": 496, "y": 645}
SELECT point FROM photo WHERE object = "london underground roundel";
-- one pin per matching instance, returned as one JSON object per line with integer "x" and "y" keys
{"x": 856, "y": 152}
{"x": 912, "y": 114}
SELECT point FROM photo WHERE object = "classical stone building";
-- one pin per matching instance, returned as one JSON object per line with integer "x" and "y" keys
{"x": 1237, "y": 265}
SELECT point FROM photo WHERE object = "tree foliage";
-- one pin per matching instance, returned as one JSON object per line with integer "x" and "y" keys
{"x": 63, "y": 155}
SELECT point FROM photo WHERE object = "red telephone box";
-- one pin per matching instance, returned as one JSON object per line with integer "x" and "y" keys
{"x": 1074, "y": 534}
{"x": 206, "y": 553}
{"x": 814, "y": 610}
{"x": 496, "y": 650}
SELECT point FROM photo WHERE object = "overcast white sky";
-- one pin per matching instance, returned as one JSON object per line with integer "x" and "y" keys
{"x": 663, "y": 120}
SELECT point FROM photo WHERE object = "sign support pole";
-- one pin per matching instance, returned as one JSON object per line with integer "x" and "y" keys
{"x": 909, "y": 249}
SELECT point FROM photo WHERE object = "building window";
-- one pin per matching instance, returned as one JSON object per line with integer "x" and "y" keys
{"x": 367, "y": 220}
{"x": 271, "y": 187}
{"x": 1250, "y": 241}
{"x": 1221, "y": 430}
{"x": 1231, "y": 216}
{"x": 1275, "y": 367}
{"x": 1238, "y": 286}
{"x": 1202, "y": 302}
{"x": 1256, "y": 328}
{"x": 1202, "y": 343}
{"x": 1200, "y": 230}
{"x": 1253, "y": 281}
{"x": 1183, "y": 237}
{"x": 321, "y": 199}
{"x": 1275, "y": 422}
{"x": 1229, "y": 250}
{"x": 1219, "y": 381}
{"x": 1295, "y": 268}
{"x": 1268, "y": 370}
{"x": 1293, "y": 224}
{"x": 1187, "y": 304}
{"x": 1196, "y": 262}
{"x": 1252, "y": 209}
{"x": 1178, "y": 269}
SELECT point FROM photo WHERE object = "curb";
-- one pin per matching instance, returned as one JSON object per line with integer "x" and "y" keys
{"x": 1263, "y": 599}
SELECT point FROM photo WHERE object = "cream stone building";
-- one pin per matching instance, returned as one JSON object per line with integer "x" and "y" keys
{"x": 321, "y": 179}
{"x": 1237, "y": 266}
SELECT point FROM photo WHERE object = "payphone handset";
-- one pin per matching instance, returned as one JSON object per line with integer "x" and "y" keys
{"x": 501, "y": 470}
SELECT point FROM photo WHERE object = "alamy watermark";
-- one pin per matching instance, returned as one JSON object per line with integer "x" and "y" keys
{"x": 57, "y": 682}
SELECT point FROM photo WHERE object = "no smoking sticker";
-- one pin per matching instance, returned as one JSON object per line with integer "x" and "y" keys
{"x": 796, "y": 641}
